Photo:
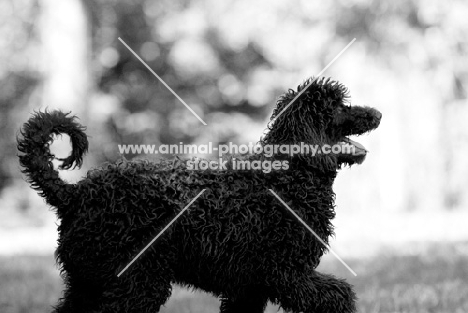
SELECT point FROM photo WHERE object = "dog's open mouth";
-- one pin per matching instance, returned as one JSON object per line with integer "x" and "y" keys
{"x": 351, "y": 151}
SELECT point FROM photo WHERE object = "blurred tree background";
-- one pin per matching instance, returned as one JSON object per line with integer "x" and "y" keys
{"x": 229, "y": 60}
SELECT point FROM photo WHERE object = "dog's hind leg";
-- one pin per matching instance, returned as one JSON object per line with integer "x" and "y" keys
{"x": 137, "y": 291}
{"x": 316, "y": 292}
{"x": 134, "y": 293}
{"x": 79, "y": 296}
{"x": 251, "y": 300}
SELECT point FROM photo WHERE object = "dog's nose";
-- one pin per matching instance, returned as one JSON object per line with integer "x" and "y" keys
{"x": 378, "y": 115}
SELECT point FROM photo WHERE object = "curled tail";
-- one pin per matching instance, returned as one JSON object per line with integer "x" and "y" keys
{"x": 36, "y": 159}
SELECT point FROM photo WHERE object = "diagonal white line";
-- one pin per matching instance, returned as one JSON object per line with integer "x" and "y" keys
{"x": 160, "y": 233}
{"x": 162, "y": 81}
{"x": 313, "y": 233}
{"x": 316, "y": 77}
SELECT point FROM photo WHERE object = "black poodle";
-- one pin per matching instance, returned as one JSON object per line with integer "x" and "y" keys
{"x": 236, "y": 241}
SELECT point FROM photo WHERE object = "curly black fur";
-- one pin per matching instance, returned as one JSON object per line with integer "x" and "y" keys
{"x": 236, "y": 241}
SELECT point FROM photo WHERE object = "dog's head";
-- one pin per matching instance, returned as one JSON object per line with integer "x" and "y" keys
{"x": 319, "y": 114}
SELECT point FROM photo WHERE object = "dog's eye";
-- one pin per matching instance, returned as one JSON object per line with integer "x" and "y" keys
{"x": 343, "y": 109}
{"x": 339, "y": 110}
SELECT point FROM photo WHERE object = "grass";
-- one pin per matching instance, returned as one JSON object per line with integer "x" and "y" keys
{"x": 434, "y": 281}
{"x": 28, "y": 284}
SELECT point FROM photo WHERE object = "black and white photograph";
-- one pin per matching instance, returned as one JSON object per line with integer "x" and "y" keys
{"x": 221, "y": 156}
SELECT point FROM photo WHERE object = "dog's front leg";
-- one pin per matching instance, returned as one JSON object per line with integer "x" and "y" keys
{"x": 316, "y": 292}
